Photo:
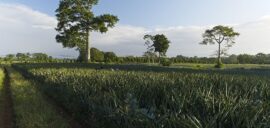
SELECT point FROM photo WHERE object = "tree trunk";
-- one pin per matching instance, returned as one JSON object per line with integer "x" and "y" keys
{"x": 159, "y": 57}
{"x": 219, "y": 53}
{"x": 87, "y": 52}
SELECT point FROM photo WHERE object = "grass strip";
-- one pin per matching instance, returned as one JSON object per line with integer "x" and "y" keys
{"x": 31, "y": 109}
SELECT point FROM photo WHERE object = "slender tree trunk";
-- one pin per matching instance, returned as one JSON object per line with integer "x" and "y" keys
{"x": 87, "y": 52}
{"x": 219, "y": 53}
{"x": 159, "y": 57}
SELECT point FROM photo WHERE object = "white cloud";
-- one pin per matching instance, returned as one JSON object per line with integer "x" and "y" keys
{"x": 254, "y": 38}
{"x": 23, "y": 14}
{"x": 128, "y": 40}
{"x": 26, "y": 30}
{"x": 23, "y": 29}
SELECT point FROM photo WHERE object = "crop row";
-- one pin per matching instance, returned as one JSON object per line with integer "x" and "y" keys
{"x": 136, "y": 99}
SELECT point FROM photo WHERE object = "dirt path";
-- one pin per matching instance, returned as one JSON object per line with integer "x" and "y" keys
{"x": 6, "y": 116}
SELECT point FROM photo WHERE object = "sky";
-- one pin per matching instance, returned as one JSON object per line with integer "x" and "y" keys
{"x": 28, "y": 26}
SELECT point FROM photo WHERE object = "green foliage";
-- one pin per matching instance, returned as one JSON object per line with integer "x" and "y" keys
{"x": 97, "y": 55}
{"x": 23, "y": 56}
{"x": 2, "y": 76}
{"x": 40, "y": 57}
{"x": 135, "y": 99}
{"x": 75, "y": 22}
{"x": 160, "y": 43}
{"x": 151, "y": 56}
{"x": 110, "y": 57}
{"x": 220, "y": 34}
{"x": 259, "y": 58}
{"x": 30, "y": 108}
{"x": 9, "y": 57}
{"x": 232, "y": 59}
{"x": 165, "y": 62}
{"x": 219, "y": 65}
{"x": 28, "y": 57}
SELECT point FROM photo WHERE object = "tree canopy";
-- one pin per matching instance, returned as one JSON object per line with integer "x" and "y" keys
{"x": 159, "y": 43}
{"x": 220, "y": 34}
{"x": 75, "y": 22}
{"x": 97, "y": 55}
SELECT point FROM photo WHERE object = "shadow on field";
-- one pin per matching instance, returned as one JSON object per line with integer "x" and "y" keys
{"x": 7, "y": 116}
{"x": 146, "y": 68}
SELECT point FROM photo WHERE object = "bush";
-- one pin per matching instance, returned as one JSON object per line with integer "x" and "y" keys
{"x": 166, "y": 62}
{"x": 219, "y": 65}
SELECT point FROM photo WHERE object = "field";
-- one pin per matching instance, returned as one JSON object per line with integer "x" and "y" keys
{"x": 135, "y": 96}
{"x": 134, "y": 64}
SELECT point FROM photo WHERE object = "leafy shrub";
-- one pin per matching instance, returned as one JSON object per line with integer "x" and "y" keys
{"x": 166, "y": 62}
{"x": 219, "y": 65}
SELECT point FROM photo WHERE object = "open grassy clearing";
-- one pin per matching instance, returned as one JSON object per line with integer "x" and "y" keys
{"x": 30, "y": 108}
{"x": 157, "y": 97}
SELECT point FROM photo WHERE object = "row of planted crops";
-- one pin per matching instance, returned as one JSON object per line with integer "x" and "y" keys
{"x": 137, "y": 99}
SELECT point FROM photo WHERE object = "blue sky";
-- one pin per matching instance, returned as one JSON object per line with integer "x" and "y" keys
{"x": 152, "y": 13}
{"x": 183, "y": 21}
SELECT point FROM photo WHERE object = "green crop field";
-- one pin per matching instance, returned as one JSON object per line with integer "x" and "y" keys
{"x": 134, "y": 64}
{"x": 156, "y": 97}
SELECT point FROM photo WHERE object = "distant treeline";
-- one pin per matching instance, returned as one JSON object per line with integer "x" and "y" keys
{"x": 259, "y": 58}
{"x": 28, "y": 57}
{"x": 111, "y": 57}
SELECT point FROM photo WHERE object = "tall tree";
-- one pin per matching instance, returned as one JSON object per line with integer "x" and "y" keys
{"x": 75, "y": 22}
{"x": 159, "y": 43}
{"x": 220, "y": 34}
{"x": 150, "y": 56}
{"x": 150, "y": 53}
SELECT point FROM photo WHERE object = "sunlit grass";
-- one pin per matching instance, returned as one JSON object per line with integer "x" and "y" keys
{"x": 31, "y": 110}
{"x": 2, "y": 76}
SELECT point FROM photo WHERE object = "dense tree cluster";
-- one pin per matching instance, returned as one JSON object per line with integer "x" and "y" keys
{"x": 100, "y": 56}
{"x": 111, "y": 57}
{"x": 260, "y": 58}
{"x": 27, "y": 57}
{"x": 156, "y": 44}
